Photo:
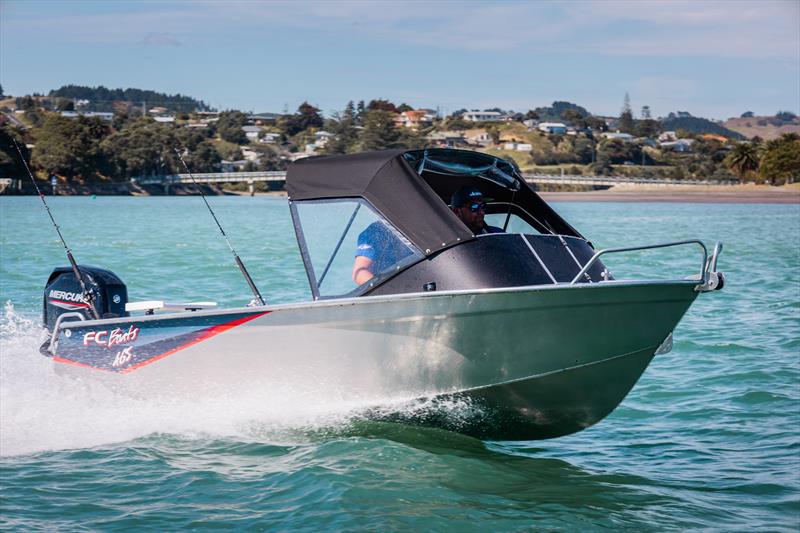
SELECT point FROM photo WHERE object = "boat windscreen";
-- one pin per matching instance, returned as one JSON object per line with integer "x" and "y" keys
{"x": 461, "y": 163}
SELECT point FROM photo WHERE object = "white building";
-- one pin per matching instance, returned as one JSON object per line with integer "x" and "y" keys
{"x": 270, "y": 138}
{"x": 625, "y": 137}
{"x": 482, "y": 116}
{"x": 557, "y": 128}
{"x": 321, "y": 138}
{"x": 89, "y": 114}
{"x": 251, "y": 132}
{"x": 519, "y": 147}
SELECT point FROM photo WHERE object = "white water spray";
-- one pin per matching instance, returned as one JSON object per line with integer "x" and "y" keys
{"x": 41, "y": 410}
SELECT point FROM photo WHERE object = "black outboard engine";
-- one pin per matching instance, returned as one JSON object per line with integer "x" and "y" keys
{"x": 63, "y": 294}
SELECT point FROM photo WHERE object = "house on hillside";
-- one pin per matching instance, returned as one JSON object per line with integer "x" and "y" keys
{"x": 446, "y": 139}
{"x": 681, "y": 145}
{"x": 415, "y": 118}
{"x": 668, "y": 136}
{"x": 165, "y": 119}
{"x": 262, "y": 119}
{"x": 715, "y": 137}
{"x": 555, "y": 128}
{"x": 251, "y": 132}
{"x": 478, "y": 136}
{"x": 321, "y": 138}
{"x": 88, "y": 114}
{"x": 270, "y": 138}
{"x": 518, "y": 147}
{"x": 233, "y": 166}
{"x": 624, "y": 137}
{"x": 482, "y": 116}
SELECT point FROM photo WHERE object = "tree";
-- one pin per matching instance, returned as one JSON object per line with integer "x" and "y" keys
{"x": 626, "y": 124}
{"x": 573, "y": 116}
{"x": 70, "y": 146}
{"x": 780, "y": 162}
{"x": 493, "y": 130}
{"x": 379, "y": 131}
{"x": 747, "y": 114}
{"x": 229, "y": 127}
{"x": 381, "y": 105}
{"x": 531, "y": 115}
{"x": 743, "y": 160}
{"x": 143, "y": 147}
{"x": 307, "y": 116}
{"x": 25, "y": 103}
{"x": 345, "y": 135}
{"x": 2, "y": 94}
{"x": 403, "y": 108}
{"x": 360, "y": 110}
{"x": 10, "y": 164}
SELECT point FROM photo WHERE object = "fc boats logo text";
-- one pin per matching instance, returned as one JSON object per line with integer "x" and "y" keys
{"x": 110, "y": 339}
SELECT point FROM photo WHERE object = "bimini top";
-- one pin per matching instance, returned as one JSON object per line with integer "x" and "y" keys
{"x": 411, "y": 189}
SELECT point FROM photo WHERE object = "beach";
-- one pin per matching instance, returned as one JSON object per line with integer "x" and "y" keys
{"x": 716, "y": 194}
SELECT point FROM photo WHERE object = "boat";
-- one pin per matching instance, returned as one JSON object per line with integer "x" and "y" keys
{"x": 526, "y": 329}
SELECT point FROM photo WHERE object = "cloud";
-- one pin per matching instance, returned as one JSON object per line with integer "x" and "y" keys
{"x": 765, "y": 29}
{"x": 160, "y": 39}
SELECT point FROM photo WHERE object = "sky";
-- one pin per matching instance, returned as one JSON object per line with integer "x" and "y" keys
{"x": 712, "y": 58}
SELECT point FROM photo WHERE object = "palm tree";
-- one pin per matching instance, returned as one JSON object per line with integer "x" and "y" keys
{"x": 743, "y": 159}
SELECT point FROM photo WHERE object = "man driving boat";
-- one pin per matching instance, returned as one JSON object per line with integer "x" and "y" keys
{"x": 470, "y": 207}
{"x": 379, "y": 248}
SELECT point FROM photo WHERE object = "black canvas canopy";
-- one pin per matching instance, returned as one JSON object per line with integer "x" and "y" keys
{"x": 411, "y": 189}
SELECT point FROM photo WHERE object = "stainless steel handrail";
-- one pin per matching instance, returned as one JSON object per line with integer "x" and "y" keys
{"x": 54, "y": 334}
{"x": 703, "y": 268}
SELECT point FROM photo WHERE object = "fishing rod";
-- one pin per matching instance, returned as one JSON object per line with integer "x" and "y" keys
{"x": 88, "y": 297}
{"x": 235, "y": 255}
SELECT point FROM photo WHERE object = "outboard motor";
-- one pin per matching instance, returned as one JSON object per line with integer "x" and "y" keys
{"x": 63, "y": 294}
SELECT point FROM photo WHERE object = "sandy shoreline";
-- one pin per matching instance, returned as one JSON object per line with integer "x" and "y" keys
{"x": 731, "y": 194}
{"x": 712, "y": 194}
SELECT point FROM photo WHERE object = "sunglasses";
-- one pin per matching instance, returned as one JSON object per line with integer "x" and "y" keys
{"x": 477, "y": 207}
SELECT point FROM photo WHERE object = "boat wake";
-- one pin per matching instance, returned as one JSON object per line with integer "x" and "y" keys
{"x": 41, "y": 410}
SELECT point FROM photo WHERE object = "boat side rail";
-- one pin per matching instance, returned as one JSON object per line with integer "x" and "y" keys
{"x": 54, "y": 334}
{"x": 704, "y": 269}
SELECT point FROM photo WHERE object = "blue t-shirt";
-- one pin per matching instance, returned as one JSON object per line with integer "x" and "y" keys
{"x": 491, "y": 229}
{"x": 379, "y": 244}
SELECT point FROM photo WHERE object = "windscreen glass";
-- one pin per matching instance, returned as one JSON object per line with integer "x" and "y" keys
{"x": 515, "y": 223}
{"x": 461, "y": 163}
{"x": 349, "y": 245}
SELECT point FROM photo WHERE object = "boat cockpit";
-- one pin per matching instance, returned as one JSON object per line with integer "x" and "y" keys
{"x": 393, "y": 207}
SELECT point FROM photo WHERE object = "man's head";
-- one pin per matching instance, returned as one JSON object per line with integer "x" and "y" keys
{"x": 469, "y": 205}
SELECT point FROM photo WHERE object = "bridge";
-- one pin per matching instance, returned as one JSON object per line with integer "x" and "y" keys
{"x": 251, "y": 178}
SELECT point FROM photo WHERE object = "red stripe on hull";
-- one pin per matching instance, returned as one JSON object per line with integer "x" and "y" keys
{"x": 213, "y": 331}
{"x": 207, "y": 334}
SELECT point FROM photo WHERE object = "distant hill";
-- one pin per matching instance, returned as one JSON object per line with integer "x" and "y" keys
{"x": 765, "y": 127}
{"x": 684, "y": 121}
{"x": 102, "y": 99}
{"x": 556, "y": 111}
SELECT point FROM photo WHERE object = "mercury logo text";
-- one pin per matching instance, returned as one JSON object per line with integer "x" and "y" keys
{"x": 66, "y": 296}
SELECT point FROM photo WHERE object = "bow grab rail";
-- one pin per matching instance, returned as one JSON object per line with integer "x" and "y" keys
{"x": 703, "y": 269}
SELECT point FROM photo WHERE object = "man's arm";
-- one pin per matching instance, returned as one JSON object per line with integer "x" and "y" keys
{"x": 361, "y": 270}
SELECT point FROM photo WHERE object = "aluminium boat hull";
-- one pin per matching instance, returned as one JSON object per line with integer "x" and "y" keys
{"x": 524, "y": 363}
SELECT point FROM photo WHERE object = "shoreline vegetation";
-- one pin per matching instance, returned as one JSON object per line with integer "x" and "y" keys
{"x": 748, "y": 193}
{"x": 96, "y": 141}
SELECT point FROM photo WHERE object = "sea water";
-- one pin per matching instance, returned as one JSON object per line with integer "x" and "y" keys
{"x": 708, "y": 438}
